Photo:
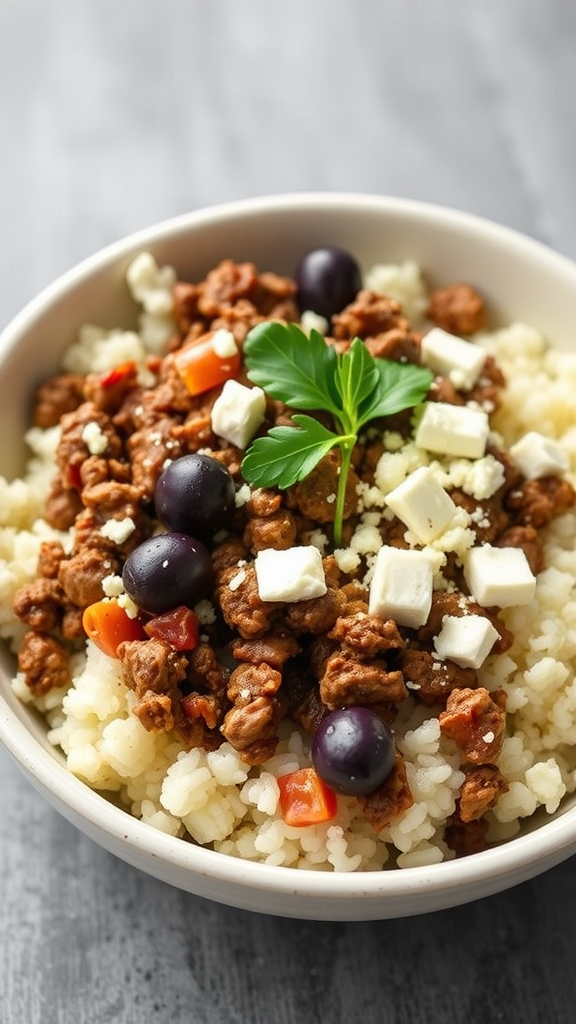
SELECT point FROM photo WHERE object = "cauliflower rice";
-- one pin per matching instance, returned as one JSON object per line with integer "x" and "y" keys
{"x": 213, "y": 796}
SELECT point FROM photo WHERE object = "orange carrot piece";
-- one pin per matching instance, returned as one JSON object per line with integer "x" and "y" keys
{"x": 107, "y": 625}
{"x": 305, "y": 799}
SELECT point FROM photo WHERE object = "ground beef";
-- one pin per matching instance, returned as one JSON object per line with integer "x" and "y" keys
{"x": 392, "y": 797}
{"x": 154, "y": 710}
{"x": 376, "y": 317}
{"x": 81, "y": 576}
{"x": 365, "y": 635}
{"x": 480, "y": 791}
{"x": 347, "y": 681}
{"x": 56, "y": 397}
{"x": 44, "y": 663}
{"x": 315, "y": 496}
{"x": 274, "y": 649}
{"x": 150, "y": 665}
{"x": 475, "y": 720}
{"x": 39, "y": 604}
{"x": 466, "y": 837}
{"x": 241, "y": 605}
{"x": 430, "y": 680}
{"x": 536, "y": 502}
{"x": 63, "y": 505}
{"x": 250, "y": 726}
{"x": 458, "y": 309}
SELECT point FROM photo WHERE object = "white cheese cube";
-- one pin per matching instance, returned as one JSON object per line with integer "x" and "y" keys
{"x": 499, "y": 577}
{"x": 536, "y": 455}
{"x": 422, "y": 504}
{"x": 461, "y": 361}
{"x": 466, "y": 639}
{"x": 295, "y": 574}
{"x": 401, "y": 587}
{"x": 238, "y": 412}
{"x": 453, "y": 430}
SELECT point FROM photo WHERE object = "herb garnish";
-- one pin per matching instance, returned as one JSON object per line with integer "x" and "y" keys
{"x": 305, "y": 373}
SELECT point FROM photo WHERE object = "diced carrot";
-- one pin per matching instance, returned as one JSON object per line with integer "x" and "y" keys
{"x": 305, "y": 799}
{"x": 107, "y": 624}
{"x": 202, "y": 368}
{"x": 178, "y": 628}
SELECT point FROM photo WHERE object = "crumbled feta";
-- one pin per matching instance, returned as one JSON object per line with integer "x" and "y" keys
{"x": 537, "y": 456}
{"x": 295, "y": 574}
{"x": 401, "y": 587}
{"x": 151, "y": 285}
{"x": 94, "y": 438}
{"x": 224, "y": 343}
{"x": 205, "y": 612}
{"x": 422, "y": 504}
{"x": 499, "y": 576}
{"x": 453, "y": 430}
{"x": 311, "y": 321}
{"x": 242, "y": 495}
{"x": 480, "y": 478}
{"x": 118, "y": 530}
{"x": 461, "y": 361}
{"x": 466, "y": 639}
{"x": 112, "y": 586}
{"x": 238, "y": 412}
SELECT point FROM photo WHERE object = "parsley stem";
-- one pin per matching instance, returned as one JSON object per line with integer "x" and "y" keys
{"x": 346, "y": 448}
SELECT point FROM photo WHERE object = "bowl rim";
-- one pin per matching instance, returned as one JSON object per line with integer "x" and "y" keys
{"x": 67, "y": 792}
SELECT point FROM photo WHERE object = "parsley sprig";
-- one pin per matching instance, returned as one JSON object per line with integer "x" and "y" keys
{"x": 305, "y": 373}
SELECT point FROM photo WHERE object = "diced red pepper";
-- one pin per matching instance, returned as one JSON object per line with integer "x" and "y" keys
{"x": 202, "y": 369}
{"x": 178, "y": 628}
{"x": 121, "y": 372}
{"x": 305, "y": 799}
{"x": 108, "y": 625}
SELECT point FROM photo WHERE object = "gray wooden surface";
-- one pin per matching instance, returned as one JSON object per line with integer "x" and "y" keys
{"x": 113, "y": 115}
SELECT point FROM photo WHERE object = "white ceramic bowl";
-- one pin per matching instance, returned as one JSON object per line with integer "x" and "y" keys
{"x": 521, "y": 279}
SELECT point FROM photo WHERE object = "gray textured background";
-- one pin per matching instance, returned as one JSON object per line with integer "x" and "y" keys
{"x": 115, "y": 114}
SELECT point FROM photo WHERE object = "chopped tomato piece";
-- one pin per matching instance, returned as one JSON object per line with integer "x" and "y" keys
{"x": 177, "y": 628}
{"x": 121, "y": 372}
{"x": 202, "y": 367}
{"x": 108, "y": 625}
{"x": 305, "y": 799}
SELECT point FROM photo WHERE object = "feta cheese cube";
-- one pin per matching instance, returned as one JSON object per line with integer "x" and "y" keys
{"x": 422, "y": 504}
{"x": 453, "y": 430}
{"x": 466, "y": 639}
{"x": 238, "y": 412}
{"x": 536, "y": 455}
{"x": 499, "y": 577}
{"x": 461, "y": 361}
{"x": 401, "y": 587}
{"x": 295, "y": 574}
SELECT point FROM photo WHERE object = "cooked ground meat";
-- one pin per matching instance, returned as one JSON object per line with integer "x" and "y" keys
{"x": 390, "y": 799}
{"x": 480, "y": 791}
{"x": 458, "y": 309}
{"x": 430, "y": 680}
{"x": 56, "y": 397}
{"x": 150, "y": 665}
{"x": 44, "y": 663}
{"x": 475, "y": 720}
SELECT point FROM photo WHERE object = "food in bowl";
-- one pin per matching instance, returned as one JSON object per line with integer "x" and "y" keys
{"x": 367, "y": 664}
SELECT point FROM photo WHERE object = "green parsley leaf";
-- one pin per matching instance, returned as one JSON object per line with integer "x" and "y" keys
{"x": 288, "y": 454}
{"x": 307, "y": 373}
{"x": 400, "y": 386}
{"x": 292, "y": 367}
